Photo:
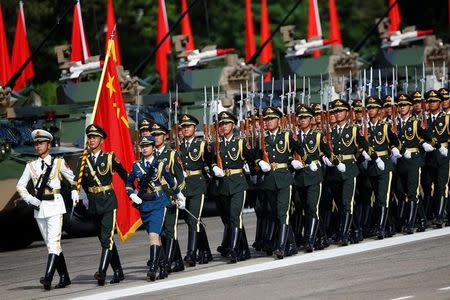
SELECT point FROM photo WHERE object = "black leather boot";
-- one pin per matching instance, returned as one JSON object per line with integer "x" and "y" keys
{"x": 291, "y": 245}
{"x": 282, "y": 238}
{"x": 422, "y": 226}
{"x": 233, "y": 255}
{"x": 269, "y": 237}
{"x": 191, "y": 256}
{"x": 205, "y": 249}
{"x": 116, "y": 266}
{"x": 100, "y": 275}
{"x": 345, "y": 228}
{"x": 64, "y": 279}
{"x": 312, "y": 224}
{"x": 178, "y": 264}
{"x": 155, "y": 251}
{"x": 412, "y": 211}
{"x": 260, "y": 224}
{"x": 382, "y": 222}
{"x": 441, "y": 212}
{"x": 162, "y": 264}
{"x": 357, "y": 225}
{"x": 224, "y": 247}
{"x": 52, "y": 262}
{"x": 244, "y": 249}
{"x": 365, "y": 227}
{"x": 170, "y": 253}
{"x": 400, "y": 217}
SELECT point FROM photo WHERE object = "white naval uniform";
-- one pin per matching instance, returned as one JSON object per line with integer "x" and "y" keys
{"x": 49, "y": 215}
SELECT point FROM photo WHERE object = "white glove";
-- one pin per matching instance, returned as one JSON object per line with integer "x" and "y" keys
{"x": 218, "y": 172}
{"x": 366, "y": 155}
{"x": 395, "y": 152}
{"x": 297, "y": 165}
{"x": 313, "y": 166}
{"x": 32, "y": 201}
{"x": 341, "y": 167}
{"x": 394, "y": 159}
{"x": 135, "y": 198}
{"x": 85, "y": 202}
{"x": 184, "y": 174}
{"x": 327, "y": 161}
{"x": 380, "y": 163}
{"x": 407, "y": 154}
{"x": 181, "y": 200}
{"x": 427, "y": 147}
{"x": 75, "y": 197}
{"x": 265, "y": 167}
{"x": 365, "y": 164}
{"x": 246, "y": 168}
{"x": 443, "y": 151}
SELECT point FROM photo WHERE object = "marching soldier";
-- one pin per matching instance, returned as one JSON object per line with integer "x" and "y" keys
{"x": 308, "y": 180}
{"x": 46, "y": 173}
{"x": 412, "y": 137}
{"x": 196, "y": 157}
{"x": 437, "y": 161}
{"x": 168, "y": 156}
{"x": 277, "y": 182}
{"x": 232, "y": 184}
{"x": 346, "y": 142}
{"x": 97, "y": 182}
{"x": 145, "y": 127}
{"x": 389, "y": 106}
{"x": 445, "y": 102}
{"x": 152, "y": 200}
{"x": 383, "y": 142}
{"x": 417, "y": 102}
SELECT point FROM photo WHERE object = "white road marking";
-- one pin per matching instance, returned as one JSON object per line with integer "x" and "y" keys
{"x": 403, "y": 298}
{"x": 265, "y": 266}
{"x": 444, "y": 288}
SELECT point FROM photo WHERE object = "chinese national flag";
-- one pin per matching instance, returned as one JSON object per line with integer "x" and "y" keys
{"x": 21, "y": 51}
{"x": 110, "y": 114}
{"x": 110, "y": 25}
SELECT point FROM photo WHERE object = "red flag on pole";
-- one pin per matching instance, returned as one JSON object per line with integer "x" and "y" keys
{"x": 266, "y": 54}
{"x": 394, "y": 16}
{"x": 21, "y": 51}
{"x": 109, "y": 113}
{"x": 314, "y": 27}
{"x": 186, "y": 27}
{"x": 80, "y": 48}
{"x": 250, "y": 47}
{"x": 335, "y": 31}
{"x": 5, "y": 63}
{"x": 110, "y": 26}
{"x": 164, "y": 50}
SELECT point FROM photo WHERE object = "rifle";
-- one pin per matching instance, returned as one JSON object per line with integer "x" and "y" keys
{"x": 422, "y": 81}
{"x": 415, "y": 79}
{"x": 170, "y": 119}
{"x": 43, "y": 180}
{"x": 262, "y": 138}
{"x": 144, "y": 182}
{"x": 443, "y": 75}
{"x": 271, "y": 95}
{"x": 303, "y": 92}
{"x": 294, "y": 95}
{"x": 216, "y": 142}
{"x": 288, "y": 106}
{"x": 309, "y": 92}
{"x": 205, "y": 121}
{"x": 379, "y": 87}
{"x": 137, "y": 151}
{"x": 247, "y": 121}
{"x": 283, "y": 117}
{"x": 252, "y": 105}
{"x": 175, "y": 120}
{"x": 394, "y": 108}
{"x": 242, "y": 124}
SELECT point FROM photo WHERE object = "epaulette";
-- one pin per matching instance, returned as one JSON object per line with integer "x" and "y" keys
{"x": 382, "y": 122}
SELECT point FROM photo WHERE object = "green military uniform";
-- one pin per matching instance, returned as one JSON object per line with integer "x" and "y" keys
{"x": 346, "y": 142}
{"x": 196, "y": 157}
{"x": 381, "y": 141}
{"x": 308, "y": 180}
{"x": 232, "y": 185}
{"x": 437, "y": 161}
{"x": 445, "y": 96}
{"x": 277, "y": 182}
{"x": 97, "y": 182}
{"x": 411, "y": 136}
{"x": 171, "y": 159}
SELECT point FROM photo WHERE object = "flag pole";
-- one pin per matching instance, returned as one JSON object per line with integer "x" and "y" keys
{"x": 102, "y": 77}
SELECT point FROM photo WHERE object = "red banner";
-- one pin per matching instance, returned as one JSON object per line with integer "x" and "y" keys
{"x": 110, "y": 26}
{"x": 110, "y": 114}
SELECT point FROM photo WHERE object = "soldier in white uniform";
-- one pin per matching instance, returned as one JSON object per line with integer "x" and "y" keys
{"x": 46, "y": 174}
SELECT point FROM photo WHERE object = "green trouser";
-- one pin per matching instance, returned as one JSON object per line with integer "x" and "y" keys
{"x": 233, "y": 205}
{"x": 308, "y": 199}
{"x": 262, "y": 207}
{"x": 171, "y": 222}
{"x": 280, "y": 203}
{"x": 381, "y": 186}
{"x": 105, "y": 224}
{"x": 194, "y": 204}
{"x": 344, "y": 192}
{"x": 408, "y": 184}
{"x": 363, "y": 190}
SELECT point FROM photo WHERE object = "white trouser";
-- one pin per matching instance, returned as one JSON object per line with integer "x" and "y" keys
{"x": 51, "y": 228}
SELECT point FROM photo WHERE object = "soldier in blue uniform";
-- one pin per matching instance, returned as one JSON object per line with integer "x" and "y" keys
{"x": 152, "y": 200}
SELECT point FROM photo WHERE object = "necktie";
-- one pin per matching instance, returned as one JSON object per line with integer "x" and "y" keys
{"x": 339, "y": 130}
{"x": 303, "y": 137}
{"x": 93, "y": 159}
{"x": 187, "y": 145}
{"x": 157, "y": 154}
{"x": 273, "y": 138}
{"x": 42, "y": 164}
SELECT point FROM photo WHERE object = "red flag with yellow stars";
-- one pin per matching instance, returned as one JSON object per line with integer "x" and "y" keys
{"x": 109, "y": 113}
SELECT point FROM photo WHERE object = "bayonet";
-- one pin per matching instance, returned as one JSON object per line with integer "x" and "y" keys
{"x": 271, "y": 94}
{"x": 309, "y": 91}
{"x": 303, "y": 91}
{"x": 405, "y": 84}
{"x": 350, "y": 87}
{"x": 423, "y": 80}
{"x": 380, "y": 84}
{"x": 443, "y": 75}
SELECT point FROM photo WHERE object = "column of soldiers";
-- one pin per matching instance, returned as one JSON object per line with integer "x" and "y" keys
{"x": 371, "y": 168}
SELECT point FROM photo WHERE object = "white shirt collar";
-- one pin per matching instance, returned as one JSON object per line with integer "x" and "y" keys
{"x": 47, "y": 159}
{"x": 96, "y": 155}
{"x": 160, "y": 150}
{"x": 190, "y": 140}
{"x": 149, "y": 160}
{"x": 273, "y": 133}
{"x": 228, "y": 140}
{"x": 305, "y": 133}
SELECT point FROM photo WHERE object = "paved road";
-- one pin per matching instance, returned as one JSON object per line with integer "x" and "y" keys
{"x": 416, "y": 268}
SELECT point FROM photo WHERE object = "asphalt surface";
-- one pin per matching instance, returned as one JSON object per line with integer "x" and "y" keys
{"x": 416, "y": 269}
